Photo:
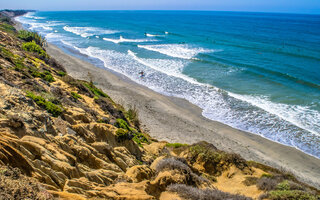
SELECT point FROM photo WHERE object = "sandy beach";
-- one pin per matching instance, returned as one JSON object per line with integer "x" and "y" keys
{"x": 176, "y": 120}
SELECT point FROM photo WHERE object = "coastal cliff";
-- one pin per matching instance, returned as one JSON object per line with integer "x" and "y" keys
{"x": 65, "y": 138}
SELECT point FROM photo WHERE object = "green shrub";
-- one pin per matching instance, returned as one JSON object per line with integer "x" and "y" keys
{"x": 52, "y": 108}
{"x": 97, "y": 92}
{"x": 46, "y": 75}
{"x": 123, "y": 135}
{"x": 205, "y": 154}
{"x": 7, "y": 28}
{"x": 139, "y": 138}
{"x": 61, "y": 73}
{"x": 5, "y": 19}
{"x": 75, "y": 95}
{"x": 176, "y": 145}
{"x": 29, "y": 36}
{"x": 7, "y": 54}
{"x": 38, "y": 99}
{"x": 19, "y": 66}
{"x": 36, "y": 74}
{"x": 120, "y": 123}
{"x": 266, "y": 175}
{"x": 33, "y": 47}
{"x": 48, "y": 78}
{"x": 284, "y": 185}
{"x": 215, "y": 160}
{"x": 291, "y": 194}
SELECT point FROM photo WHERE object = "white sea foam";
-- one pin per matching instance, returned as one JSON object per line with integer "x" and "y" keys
{"x": 292, "y": 125}
{"x": 176, "y": 50}
{"x": 53, "y": 37}
{"x": 31, "y": 16}
{"x": 302, "y": 117}
{"x": 69, "y": 44}
{"x": 34, "y": 25}
{"x": 43, "y": 26}
{"x": 152, "y": 35}
{"x": 54, "y": 23}
{"x": 88, "y": 31}
{"x": 122, "y": 39}
{"x": 167, "y": 66}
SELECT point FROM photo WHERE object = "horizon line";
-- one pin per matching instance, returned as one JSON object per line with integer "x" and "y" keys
{"x": 270, "y": 12}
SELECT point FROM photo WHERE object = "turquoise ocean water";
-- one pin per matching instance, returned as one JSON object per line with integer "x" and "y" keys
{"x": 258, "y": 72}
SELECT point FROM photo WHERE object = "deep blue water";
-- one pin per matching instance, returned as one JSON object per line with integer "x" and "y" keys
{"x": 258, "y": 72}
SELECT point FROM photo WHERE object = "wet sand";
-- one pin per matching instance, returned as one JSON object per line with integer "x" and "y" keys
{"x": 176, "y": 120}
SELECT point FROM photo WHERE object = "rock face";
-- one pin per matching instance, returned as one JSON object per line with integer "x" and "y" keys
{"x": 75, "y": 142}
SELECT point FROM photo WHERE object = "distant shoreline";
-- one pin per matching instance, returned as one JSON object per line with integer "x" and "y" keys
{"x": 176, "y": 120}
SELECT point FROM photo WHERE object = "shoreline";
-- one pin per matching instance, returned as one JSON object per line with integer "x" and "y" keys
{"x": 176, "y": 120}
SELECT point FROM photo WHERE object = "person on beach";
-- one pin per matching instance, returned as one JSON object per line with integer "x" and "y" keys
{"x": 142, "y": 74}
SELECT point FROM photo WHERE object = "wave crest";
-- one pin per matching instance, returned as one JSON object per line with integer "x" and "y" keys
{"x": 88, "y": 31}
{"x": 183, "y": 51}
{"x": 122, "y": 39}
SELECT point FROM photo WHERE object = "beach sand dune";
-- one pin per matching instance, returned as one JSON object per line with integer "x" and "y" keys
{"x": 176, "y": 120}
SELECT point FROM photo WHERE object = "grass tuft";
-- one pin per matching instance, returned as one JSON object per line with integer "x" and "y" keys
{"x": 75, "y": 95}
{"x": 120, "y": 123}
{"x": 290, "y": 194}
{"x": 97, "y": 92}
{"x": 29, "y": 36}
{"x": 123, "y": 134}
{"x": 35, "y": 48}
{"x": 62, "y": 74}
{"x": 7, "y": 27}
{"x": 194, "y": 193}
{"x": 52, "y": 108}
{"x": 132, "y": 115}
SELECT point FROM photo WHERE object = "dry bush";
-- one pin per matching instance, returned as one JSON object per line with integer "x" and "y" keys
{"x": 108, "y": 107}
{"x": 14, "y": 185}
{"x": 250, "y": 181}
{"x": 214, "y": 160}
{"x": 237, "y": 160}
{"x": 193, "y": 193}
{"x": 172, "y": 164}
{"x": 267, "y": 184}
{"x": 133, "y": 115}
{"x": 55, "y": 64}
{"x": 180, "y": 165}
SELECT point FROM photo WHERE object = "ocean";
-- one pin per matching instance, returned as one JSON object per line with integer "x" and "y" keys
{"x": 257, "y": 72}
